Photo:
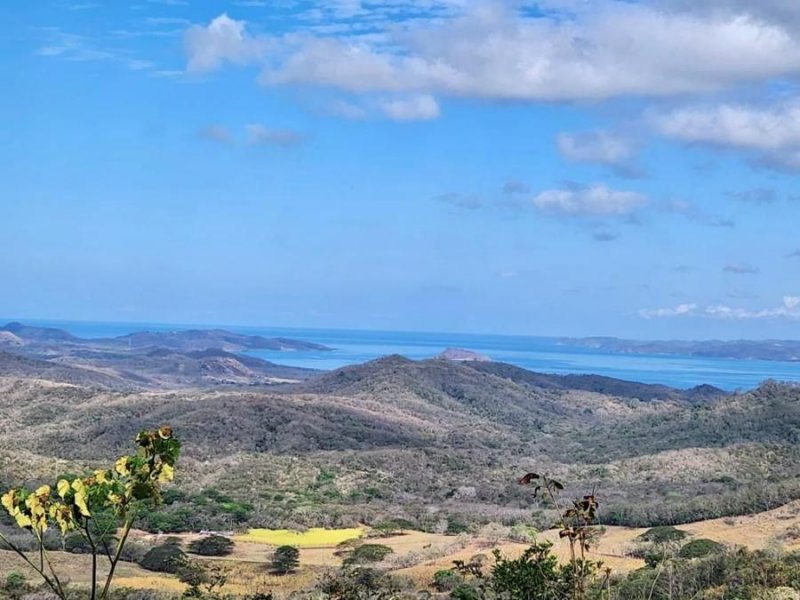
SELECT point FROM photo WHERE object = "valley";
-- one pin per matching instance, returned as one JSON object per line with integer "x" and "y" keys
{"x": 434, "y": 447}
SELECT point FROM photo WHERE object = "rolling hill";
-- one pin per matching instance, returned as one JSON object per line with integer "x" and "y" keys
{"x": 423, "y": 440}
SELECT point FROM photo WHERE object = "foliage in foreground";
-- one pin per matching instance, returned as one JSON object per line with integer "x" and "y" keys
{"x": 94, "y": 507}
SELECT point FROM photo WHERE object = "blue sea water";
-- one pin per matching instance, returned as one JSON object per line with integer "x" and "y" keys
{"x": 534, "y": 353}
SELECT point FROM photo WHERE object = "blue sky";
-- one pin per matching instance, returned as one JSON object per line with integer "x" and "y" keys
{"x": 557, "y": 167}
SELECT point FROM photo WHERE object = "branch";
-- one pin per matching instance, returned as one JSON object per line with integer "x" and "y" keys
{"x": 125, "y": 531}
{"x": 94, "y": 558}
{"x": 30, "y": 563}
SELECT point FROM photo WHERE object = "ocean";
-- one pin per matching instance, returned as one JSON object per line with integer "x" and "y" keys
{"x": 541, "y": 354}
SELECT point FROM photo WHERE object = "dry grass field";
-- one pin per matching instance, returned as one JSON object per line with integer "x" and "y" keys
{"x": 419, "y": 555}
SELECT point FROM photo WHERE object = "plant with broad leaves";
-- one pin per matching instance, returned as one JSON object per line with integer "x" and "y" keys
{"x": 111, "y": 496}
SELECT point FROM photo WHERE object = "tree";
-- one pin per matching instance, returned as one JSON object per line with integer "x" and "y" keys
{"x": 285, "y": 560}
{"x": 199, "y": 575}
{"x": 368, "y": 553}
{"x": 213, "y": 545}
{"x": 75, "y": 505}
{"x": 166, "y": 558}
{"x": 700, "y": 548}
{"x": 663, "y": 534}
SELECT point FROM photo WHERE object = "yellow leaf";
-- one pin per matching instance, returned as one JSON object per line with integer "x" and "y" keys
{"x": 121, "y": 466}
{"x": 43, "y": 492}
{"x": 81, "y": 497}
{"x": 63, "y": 487}
{"x": 167, "y": 473}
{"x": 23, "y": 520}
{"x": 8, "y": 500}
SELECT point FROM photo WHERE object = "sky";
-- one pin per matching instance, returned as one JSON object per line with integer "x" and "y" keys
{"x": 561, "y": 167}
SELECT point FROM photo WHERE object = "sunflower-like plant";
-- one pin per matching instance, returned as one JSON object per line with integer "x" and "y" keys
{"x": 111, "y": 496}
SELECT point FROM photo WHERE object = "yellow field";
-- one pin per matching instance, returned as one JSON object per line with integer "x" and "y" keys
{"x": 311, "y": 538}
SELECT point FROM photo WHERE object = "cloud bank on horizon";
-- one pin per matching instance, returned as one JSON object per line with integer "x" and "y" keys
{"x": 668, "y": 130}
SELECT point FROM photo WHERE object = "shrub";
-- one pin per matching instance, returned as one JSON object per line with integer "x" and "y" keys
{"x": 446, "y": 580}
{"x": 285, "y": 560}
{"x": 358, "y": 584}
{"x": 134, "y": 552}
{"x": 15, "y": 581}
{"x": 700, "y": 548}
{"x": 455, "y": 527}
{"x": 206, "y": 575}
{"x": 166, "y": 558}
{"x": 368, "y": 553}
{"x": 663, "y": 534}
{"x": 213, "y": 545}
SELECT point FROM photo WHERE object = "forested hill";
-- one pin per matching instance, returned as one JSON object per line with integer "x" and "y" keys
{"x": 393, "y": 437}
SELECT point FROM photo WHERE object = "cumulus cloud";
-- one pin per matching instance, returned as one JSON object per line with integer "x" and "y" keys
{"x": 600, "y": 147}
{"x": 500, "y": 51}
{"x": 259, "y": 134}
{"x": 789, "y": 309}
{"x": 415, "y": 108}
{"x": 595, "y": 200}
{"x": 769, "y": 134}
{"x": 223, "y": 40}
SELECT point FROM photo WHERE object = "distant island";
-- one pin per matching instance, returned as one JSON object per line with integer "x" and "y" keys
{"x": 778, "y": 350}
{"x": 190, "y": 340}
{"x": 460, "y": 354}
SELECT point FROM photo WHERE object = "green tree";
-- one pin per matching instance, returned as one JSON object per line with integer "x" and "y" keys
{"x": 74, "y": 505}
{"x": 367, "y": 553}
{"x": 213, "y": 545}
{"x": 285, "y": 560}
{"x": 700, "y": 548}
{"x": 663, "y": 534}
{"x": 166, "y": 558}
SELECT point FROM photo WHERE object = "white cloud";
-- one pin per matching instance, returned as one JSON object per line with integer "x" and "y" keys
{"x": 678, "y": 311}
{"x": 600, "y": 147}
{"x": 416, "y": 108}
{"x": 789, "y": 309}
{"x": 595, "y": 200}
{"x": 770, "y": 134}
{"x": 495, "y": 52}
{"x": 223, "y": 40}
{"x": 498, "y": 50}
